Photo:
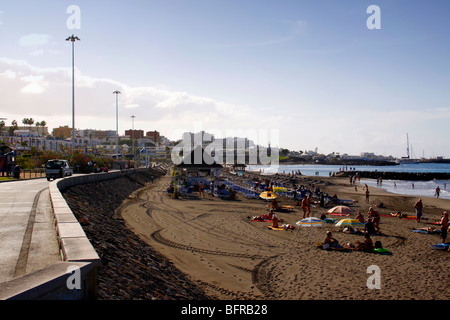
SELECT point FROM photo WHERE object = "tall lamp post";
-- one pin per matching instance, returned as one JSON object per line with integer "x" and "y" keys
{"x": 73, "y": 39}
{"x": 132, "y": 136}
{"x": 117, "y": 92}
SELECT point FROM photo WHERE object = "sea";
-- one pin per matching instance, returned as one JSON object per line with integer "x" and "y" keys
{"x": 414, "y": 188}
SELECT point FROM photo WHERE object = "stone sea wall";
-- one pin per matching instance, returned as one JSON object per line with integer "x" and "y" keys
{"x": 130, "y": 269}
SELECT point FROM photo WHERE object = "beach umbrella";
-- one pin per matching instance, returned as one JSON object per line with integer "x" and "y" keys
{"x": 310, "y": 222}
{"x": 341, "y": 210}
{"x": 348, "y": 222}
{"x": 268, "y": 195}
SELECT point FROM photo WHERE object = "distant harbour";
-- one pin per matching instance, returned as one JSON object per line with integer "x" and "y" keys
{"x": 417, "y": 179}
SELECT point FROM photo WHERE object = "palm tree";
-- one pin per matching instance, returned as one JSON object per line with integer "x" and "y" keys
{"x": 38, "y": 124}
{"x": 13, "y": 127}
{"x": 28, "y": 121}
{"x": 43, "y": 124}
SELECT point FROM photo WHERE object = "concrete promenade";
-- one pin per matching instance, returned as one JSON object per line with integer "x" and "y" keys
{"x": 28, "y": 236}
{"x": 42, "y": 246}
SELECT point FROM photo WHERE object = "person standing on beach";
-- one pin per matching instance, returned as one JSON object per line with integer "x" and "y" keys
{"x": 418, "y": 206}
{"x": 367, "y": 195}
{"x": 306, "y": 206}
{"x": 444, "y": 226}
{"x": 201, "y": 190}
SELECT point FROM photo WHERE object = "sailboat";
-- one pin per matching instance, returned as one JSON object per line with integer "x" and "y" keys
{"x": 407, "y": 159}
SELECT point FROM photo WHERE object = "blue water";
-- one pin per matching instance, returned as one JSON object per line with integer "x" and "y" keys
{"x": 414, "y": 188}
{"x": 324, "y": 170}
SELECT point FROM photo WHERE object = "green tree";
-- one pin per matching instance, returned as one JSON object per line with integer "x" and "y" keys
{"x": 13, "y": 127}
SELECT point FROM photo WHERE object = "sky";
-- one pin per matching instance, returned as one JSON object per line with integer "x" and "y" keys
{"x": 298, "y": 74}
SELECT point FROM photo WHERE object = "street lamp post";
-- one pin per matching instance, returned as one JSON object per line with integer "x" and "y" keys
{"x": 73, "y": 39}
{"x": 117, "y": 92}
{"x": 132, "y": 136}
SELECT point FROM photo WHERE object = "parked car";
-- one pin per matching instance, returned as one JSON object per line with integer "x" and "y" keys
{"x": 57, "y": 168}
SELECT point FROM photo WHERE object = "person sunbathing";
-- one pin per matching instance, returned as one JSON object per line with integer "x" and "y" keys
{"x": 397, "y": 214}
{"x": 271, "y": 214}
{"x": 275, "y": 204}
{"x": 274, "y": 221}
{"x": 351, "y": 230}
{"x": 360, "y": 217}
{"x": 367, "y": 245}
{"x": 375, "y": 216}
{"x": 329, "y": 241}
{"x": 287, "y": 226}
{"x": 428, "y": 230}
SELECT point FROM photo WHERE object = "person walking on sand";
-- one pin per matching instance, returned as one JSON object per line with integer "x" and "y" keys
{"x": 367, "y": 195}
{"x": 436, "y": 192}
{"x": 418, "y": 206}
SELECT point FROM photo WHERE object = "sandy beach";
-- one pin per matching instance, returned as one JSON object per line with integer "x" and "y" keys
{"x": 217, "y": 245}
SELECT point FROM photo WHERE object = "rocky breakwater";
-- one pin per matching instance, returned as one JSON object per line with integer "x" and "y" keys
{"x": 130, "y": 268}
{"x": 412, "y": 176}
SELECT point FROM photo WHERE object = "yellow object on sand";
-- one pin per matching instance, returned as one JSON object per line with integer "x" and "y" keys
{"x": 278, "y": 229}
{"x": 268, "y": 195}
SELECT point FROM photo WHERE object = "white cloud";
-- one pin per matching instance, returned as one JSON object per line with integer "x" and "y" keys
{"x": 35, "y": 40}
{"x": 34, "y": 88}
{"x": 28, "y": 88}
{"x": 8, "y": 74}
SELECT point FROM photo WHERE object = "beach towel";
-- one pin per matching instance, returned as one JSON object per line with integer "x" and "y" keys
{"x": 427, "y": 232}
{"x": 335, "y": 247}
{"x": 284, "y": 227}
{"x": 277, "y": 229}
{"x": 381, "y": 251}
{"x": 440, "y": 246}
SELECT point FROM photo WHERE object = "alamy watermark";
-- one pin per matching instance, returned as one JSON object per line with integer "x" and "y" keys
{"x": 74, "y": 279}
{"x": 203, "y": 148}
{"x": 74, "y": 20}
{"x": 374, "y": 280}
{"x": 374, "y": 21}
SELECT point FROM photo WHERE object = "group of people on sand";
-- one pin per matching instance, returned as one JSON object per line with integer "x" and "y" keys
{"x": 372, "y": 223}
{"x": 273, "y": 218}
{"x": 366, "y": 245}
